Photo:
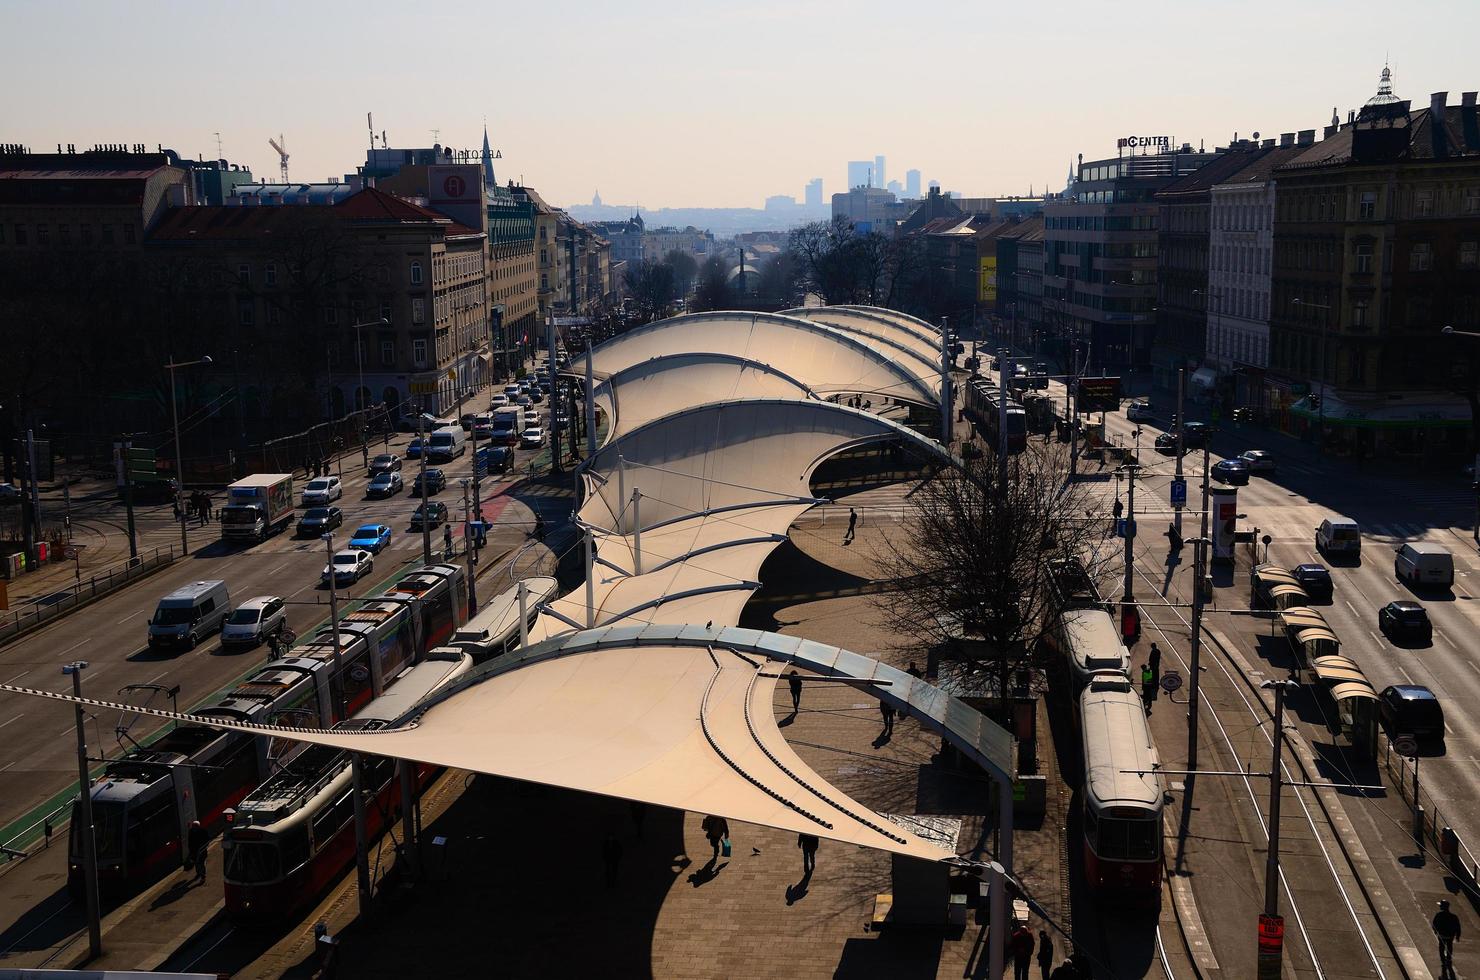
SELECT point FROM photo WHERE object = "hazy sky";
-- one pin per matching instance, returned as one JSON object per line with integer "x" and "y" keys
{"x": 711, "y": 104}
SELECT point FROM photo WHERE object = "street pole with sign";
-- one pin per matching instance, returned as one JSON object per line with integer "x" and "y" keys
{"x": 87, "y": 832}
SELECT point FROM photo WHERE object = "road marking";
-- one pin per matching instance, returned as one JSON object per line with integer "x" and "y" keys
{"x": 19, "y": 676}
{"x": 16, "y": 718}
{"x": 84, "y": 640}
{"x": 1446, "y": 640}
{"x": 7, "y": 767}
{"x": 126, "y": 619}
{"x": 1351, "y": 607}
{"x": 1399, "y": 669}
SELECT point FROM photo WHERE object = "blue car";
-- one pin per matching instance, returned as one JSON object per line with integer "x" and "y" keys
{"x": 371, "y": 537}
{"x": 493, "y": 459}
{"x": 413, "y": 451}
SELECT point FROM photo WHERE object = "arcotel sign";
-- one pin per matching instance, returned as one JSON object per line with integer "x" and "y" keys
{"x": 1132, "y": 142}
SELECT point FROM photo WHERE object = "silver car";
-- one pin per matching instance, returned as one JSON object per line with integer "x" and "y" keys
{"x": 1258, "y": 461}
{"x": 254, "y": 621}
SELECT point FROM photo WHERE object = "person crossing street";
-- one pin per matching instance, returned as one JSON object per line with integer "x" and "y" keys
{"x": 1446, "y": 929}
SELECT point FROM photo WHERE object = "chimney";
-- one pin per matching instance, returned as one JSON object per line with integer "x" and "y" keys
{"x": 1437, "y": 101}
{"x": 1306, "y": 137}
{"x": 1268, "y": 144}
{"x": 1287, "y": 139}
{"x": 1468, "y": 100}
{"x": 1438, "y": 133}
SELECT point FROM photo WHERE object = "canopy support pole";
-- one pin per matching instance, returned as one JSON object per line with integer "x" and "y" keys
{"x": 636, "y": 532}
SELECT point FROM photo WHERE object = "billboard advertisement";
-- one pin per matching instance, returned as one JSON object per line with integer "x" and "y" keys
{"x": 1223, "y": 503}
{"x": 456, "y": 190}
{"x": 986, "y": 289}
{"x": 1097, "y": 395}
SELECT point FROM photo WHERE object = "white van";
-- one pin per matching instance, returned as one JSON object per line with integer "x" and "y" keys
{"x": 447, "y": 443}
{"x": 1339, "y": 536}
{"x": 189, "y": 613}
{"x": 1423, "y": 563}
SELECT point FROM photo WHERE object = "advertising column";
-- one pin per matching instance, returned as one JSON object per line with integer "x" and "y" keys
{"x": 1223, "y": 505}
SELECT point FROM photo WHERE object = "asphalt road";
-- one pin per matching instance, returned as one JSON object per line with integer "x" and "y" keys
{"x": 37, "y": 747}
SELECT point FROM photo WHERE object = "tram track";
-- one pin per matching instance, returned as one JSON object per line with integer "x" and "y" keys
{"x": 1238, "y": 683}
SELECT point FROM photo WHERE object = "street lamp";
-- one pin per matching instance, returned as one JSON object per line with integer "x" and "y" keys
{"x": 1321, "y": 407}
{"x": 470, "y": 538}
{"x": 360, "y": 364}
{"x": 89, "y": 841}
{"x": 179, "y": 461}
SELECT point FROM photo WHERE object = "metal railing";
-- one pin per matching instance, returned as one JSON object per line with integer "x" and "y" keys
{"x": 42, "y": 829}
{"x": 1435, "y": 830}
{"x": 46, "y": 608}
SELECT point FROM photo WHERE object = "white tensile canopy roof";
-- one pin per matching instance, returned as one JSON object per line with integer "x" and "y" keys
{"x": 827, "y": 360}
{"x": 652, "y": 693}
{"x": 924, "y": 349}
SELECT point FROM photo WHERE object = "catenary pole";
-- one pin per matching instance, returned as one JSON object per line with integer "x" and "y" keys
{"x": 1181, "y": 409}
{"x": 1199, "y": 560}
{"x": 88, "y": 834}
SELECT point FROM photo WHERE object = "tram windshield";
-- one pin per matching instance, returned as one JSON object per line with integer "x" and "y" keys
{"x": 1124, "y": 839}
{"x": 252, "y": 862}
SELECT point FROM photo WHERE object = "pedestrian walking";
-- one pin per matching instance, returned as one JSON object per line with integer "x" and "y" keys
{"x": 1045, "y": 953}
{"x": 307, "y": 466}
{"x": 1153, "y": 658}
{"x": 539, "y": 526}
{"x": 887, "y": 711}
{"x": 1174, "y": 538}
{"x": 852, "y": 526}
{"x": 272, "y": 645}
{"x": 210, "y": 507}
{"x": 808, "y": 844}
{"x": 611, "y": 856}
{"x": 1020, "y": 944}
{"x": 717, "y": 830}
{"x": 365, "y": 451}
{"x": 1446, "y": 928}
{"x": 1118, "y": 509}
{"x": 447, "y": 539}
{"x": 914, "y": 671}
{"x": 327, "y": 946}
{"x": 1148, "y": 687}
{"x": 794, "y": 681}
{"x": 196, "y": 840}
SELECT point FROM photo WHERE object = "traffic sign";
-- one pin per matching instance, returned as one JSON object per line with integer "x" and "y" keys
{"x": 1171, "y": 681}
{"x": 1179, "y": 492}
{"x": 1406, "y": 745}
{"x": 1125, "y": 526}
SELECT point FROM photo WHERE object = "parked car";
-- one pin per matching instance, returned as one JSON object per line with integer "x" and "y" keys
{"x": 1166, "y": 442}
{"x": 1411, "y": 709}
{"x": 1258, "y": 460}
{"x": 493, "y": 459}
{"x": 1423, "y": 563}
{"x": 1403, "y": 621}
{"x": 254, "y": 621}
{"x": 1140, "y": 411}
{"x": 432, "y": 512}
{"x": 434, "y": 480}
{"x": 1234, "y": 472}
{"x": 385, "y": 485}
{"x": 322, "y": 490}
{"x": 413, "y": 449}
{"x": 533, "y": 437}
{"x": 349, "y": 565}
{"x": 1315, "y": 580}
{"x": 384, "y": 463}
{"x": 371, "y": 538}
{"x": 318, "y": 520}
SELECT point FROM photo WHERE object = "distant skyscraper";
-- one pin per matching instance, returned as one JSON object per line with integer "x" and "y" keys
{"x": 596, "y": 200}
{"x": 912, "y": 183}
{"x": 878, "y": 171}
{"x": 895, "y": 188}
{"x": 814, "y": 193}
{"x": 860, "y": 173}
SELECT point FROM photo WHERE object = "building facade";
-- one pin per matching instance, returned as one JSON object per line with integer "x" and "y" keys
{"x": 1376, "y": 248}
{"x": 813, "y": 195}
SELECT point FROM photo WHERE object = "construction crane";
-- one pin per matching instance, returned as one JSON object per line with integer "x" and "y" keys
{"x": 279, "y": 144}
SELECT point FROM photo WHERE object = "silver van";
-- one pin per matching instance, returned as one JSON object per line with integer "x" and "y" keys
{"x": 1423, "y": 563}
{"x": 189, "y": 614}
{"x": 447, "y": 443}
{"x": 1339, "y": 536}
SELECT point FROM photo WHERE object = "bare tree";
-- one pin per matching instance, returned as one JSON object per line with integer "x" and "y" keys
{"x": 969, "y": 569}
{"x": 713, "y": 290}
{"x": 685, "y": 267}
{"x": 651, "y": 285}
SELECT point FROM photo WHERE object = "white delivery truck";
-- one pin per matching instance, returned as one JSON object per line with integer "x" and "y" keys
{"x": 257, "y": 506}
{"x": 508, "y": 425}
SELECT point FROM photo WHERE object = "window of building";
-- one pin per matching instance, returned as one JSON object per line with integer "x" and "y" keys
{"x": 419, "y": 352}
{"x": 1423, "y": 203}
{"x": 416, "y": 278}
{"x": 1359, "y": 316}
{"x": 274, "y": 314}
{"x": 107, "y": 234}
{"x": 20, "y": 234}
{"x": 544, "y": 281}
{"x": 1364, "y": 258}
{"x": 385, "y": 311}
{"x": 64, "y": 234}
{"x": 1420, "y": 257}
{"x": 43, "y": 234}
{"x": 388, "y": 353}
{"x": 128, "y": 234}
{"x": 1368, "y": 207}
{"x": 269, "y": 273}
{"x": 1472, "y": 200}
{"x": 331, "y": 314}
{"x": 245, "y": 315}
{"x": 243, "y": 273}
{"x": 1469, "y": 255}
{"x": 87, "y": 234}
{"x": 418, "y": 309}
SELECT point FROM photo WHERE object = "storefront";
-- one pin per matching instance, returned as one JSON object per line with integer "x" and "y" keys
{"x": 1423, "y": 427}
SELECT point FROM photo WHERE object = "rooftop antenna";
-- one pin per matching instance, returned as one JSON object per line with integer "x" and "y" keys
{"x": 220, "y": 153}
{"x": 436, "y": 136}
{"x": 370, "y": 124}
{"x": 280, "y": 144}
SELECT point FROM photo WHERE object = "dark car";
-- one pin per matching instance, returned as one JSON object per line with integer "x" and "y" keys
{"x": 384, "y": 463}
{"x": 1166, "y": 443}
{"x": 493, "y": 459}
{"x": 384, "y": 485}
{"x": 1411, "y": 709}
{"x": 1404, "y": 621}
{"x": 318, "y": 520}
{"x": 435, "y": 480}
{"x": 1234, "y": 472}
{"x": 433, "y": 512}
{"x": 1195, "y": 435}
{"x": 1315, "y": 580}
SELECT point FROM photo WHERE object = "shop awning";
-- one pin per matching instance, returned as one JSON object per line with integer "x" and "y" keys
{"x": 1423, "y": 409}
